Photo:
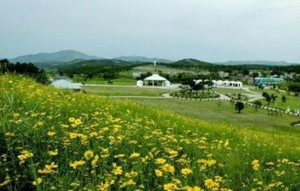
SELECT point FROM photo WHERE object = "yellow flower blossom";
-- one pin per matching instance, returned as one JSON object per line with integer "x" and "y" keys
{"x": 5, "y": 182}
{"x": 129, "y": 182}
{"x": 49, "y": 169}
{"x": 117, "y": 169}
{"x": 53, "y": 153}
{"x": 72, "y": 119}
{"x": 160, "y": 161}
{"x": 168, "y": 168}
{"x": 210, "y": 183}
{"x": 88, "y": 154}
{"x": 76, "y": 164}
{"x": 158, "y": 173}
{"x": 255, "y": 164}
{"x": 95, "y": 161}
{"x": 186, "y": 171}
{"x": 195, "y": 188}
{"x": 170, "y": 187}
{"x": 24, "y": 155}
{"x": 51, "y": 133}
{"x": 37, "y": 181}
{"x": 134, "y": 155}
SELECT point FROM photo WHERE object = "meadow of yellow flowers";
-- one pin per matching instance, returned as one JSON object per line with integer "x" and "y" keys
{"x": 51, "y": 140}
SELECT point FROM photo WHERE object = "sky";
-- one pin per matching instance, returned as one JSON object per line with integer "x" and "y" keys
{"x": 208, "y": 30}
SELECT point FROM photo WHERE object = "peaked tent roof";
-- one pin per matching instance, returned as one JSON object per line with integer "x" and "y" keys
{"x": 156, "y": 77}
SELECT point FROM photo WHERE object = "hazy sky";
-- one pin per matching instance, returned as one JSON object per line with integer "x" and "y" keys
{"x": 210, "y": 30}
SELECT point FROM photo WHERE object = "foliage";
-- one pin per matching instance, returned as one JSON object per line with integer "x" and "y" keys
{"x": 23, "y": 68}
{"x": 57, "y": 141}
{"x": 239, "y": 106}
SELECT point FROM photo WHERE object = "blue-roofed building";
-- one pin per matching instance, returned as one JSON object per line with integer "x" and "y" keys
{"x": 271, "y": 81}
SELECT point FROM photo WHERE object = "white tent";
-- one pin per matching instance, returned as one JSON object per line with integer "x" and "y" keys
{"x": 156, "y": 79}
{"x": 66, "y": 84}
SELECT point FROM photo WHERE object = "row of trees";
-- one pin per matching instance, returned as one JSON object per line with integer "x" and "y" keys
{"x": 28, "y": 69}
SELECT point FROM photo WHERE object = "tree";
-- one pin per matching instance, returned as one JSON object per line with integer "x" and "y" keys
{"x": 239, "y": 106}
{"x": 257, "y": 104}
{"x": 267, "y": 97}
{"x": 283, "y": 99}
{"x": 273, "y": 98}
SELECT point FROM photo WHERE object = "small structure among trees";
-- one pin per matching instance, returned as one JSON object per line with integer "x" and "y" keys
{"x": 154, "y": 80}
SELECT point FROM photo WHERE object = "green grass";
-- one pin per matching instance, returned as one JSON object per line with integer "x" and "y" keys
{"x": 293, "y": 102}
{"x": 51, "y": 140}
{"x": 229, "y": 91}
{"x": 223, "y": 112}
{"x": 126, "y": 91}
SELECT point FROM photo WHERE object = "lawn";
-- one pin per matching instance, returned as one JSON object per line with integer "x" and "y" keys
{"x": 126, "y": 91}
{"x": 223, "y": 112}
{"x": 292, "y": 102}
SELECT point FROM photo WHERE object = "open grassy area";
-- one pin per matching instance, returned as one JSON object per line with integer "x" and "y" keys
{"x": 292, "y": 102}
{"x": 126, "y": 91}
{"x": 51, "y": 140}
{"x": 229, "y": 90}
{"x": 223, "y": 112}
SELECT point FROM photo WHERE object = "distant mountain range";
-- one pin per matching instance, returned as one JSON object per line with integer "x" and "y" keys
{"x": 256, "y": 62}
{"x": 141, "y": 59}
{"x": 66, "y": 57}
{"x": 60, "y": 56}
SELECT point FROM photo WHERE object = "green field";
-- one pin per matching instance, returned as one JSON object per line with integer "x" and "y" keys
{"x": 126, "y": 91}
{"x": 55, "y": 140}
{"x": 224, "y": 112}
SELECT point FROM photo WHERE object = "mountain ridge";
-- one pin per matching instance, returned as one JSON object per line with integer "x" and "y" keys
{"x": 59, "y": 56}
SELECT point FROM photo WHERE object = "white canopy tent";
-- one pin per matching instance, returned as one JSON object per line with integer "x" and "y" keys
{"x": 156, "y": 80}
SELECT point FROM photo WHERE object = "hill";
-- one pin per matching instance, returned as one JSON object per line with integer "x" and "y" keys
{"x": 190, "y": 62}
{"x": 141, "y": 59}
{"x": 52, "y": 140}
{"x": 56, "y": 57}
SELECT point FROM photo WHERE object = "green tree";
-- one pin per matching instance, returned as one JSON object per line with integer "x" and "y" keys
{"x": 239, "y": 106}
{"x": 283, "y": 99}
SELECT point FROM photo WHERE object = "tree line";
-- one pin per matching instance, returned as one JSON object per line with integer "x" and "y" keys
{"x": 28, "y": 69}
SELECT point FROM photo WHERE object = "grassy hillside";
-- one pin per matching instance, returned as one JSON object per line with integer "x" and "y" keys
{"x": 56, "y": 141}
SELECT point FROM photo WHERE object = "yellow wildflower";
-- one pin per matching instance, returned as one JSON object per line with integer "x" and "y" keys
{"x": 51, "y": 133}
{"x": 71, "y": 119}
{"x": 95, "y": 161}
{"x": 255, "y": 164}
{"x": 186, "y": 171}
{"x": 104, "y": 186}
{"x": 53, "y": 153}
{"x": 117, "y": 169}
{"x": 88, "y": 154}
{"x": 5, "y": 182}
{"x": 170, "y": 187}
{"x": 24, "y": 155}
{"x": 134, "y": 155}
{"x": 160, "y": 161}
{"x": 210, "y": 183}
{"x": 195, "y": 188}
{"x": 37, "y": 181}
{"x": 158, "y": 172}
{"x": 168, "y": 168}
{"x": 78, "y": 122}
{"x": 128, "y": 183}
{"x": 76, "y": 164}
{"x": 49, "y": 169}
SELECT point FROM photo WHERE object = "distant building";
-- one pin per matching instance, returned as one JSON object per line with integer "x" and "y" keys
{"x": 223, "y": 74}
{"x": 267, "y": 81}
{"x": 154, "y": 80}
